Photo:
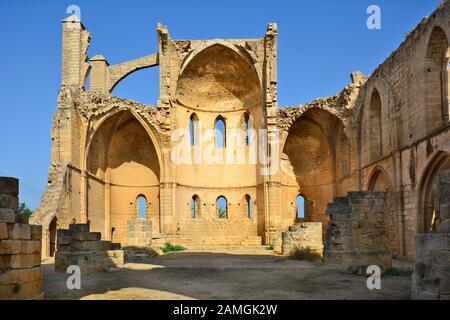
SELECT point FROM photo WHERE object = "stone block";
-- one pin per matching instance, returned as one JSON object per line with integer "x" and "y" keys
{"x": 64, "y": 236}
{"x": 86, "y": 236}
{"x": 7, "y": 216}
{"x": 5, "y": 261}
{"x": 10, "y": 246}
{"x": 89, "y": 246}
{"x": 25, "y": 261}
{"x": 19, "y": 231}
{"x": 21, "y": 275}
{"x": 36, "y": 232}
{"x": 9, "y": 202}
{"x": 79, "y": 227}
{"x": 3, "y": 231}
{"x": 21, "y": 291}
{"x": 22, "y": 218}
{"x": 30, "y": 246}
{"x": 443, "y": 226}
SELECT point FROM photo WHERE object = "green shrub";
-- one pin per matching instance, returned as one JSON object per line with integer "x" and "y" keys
{"x": 168, "y": 247}
{"x": 305, "y": 254}
{"x": 269, "y": 246}
{"x": 391, "y": 271}
{"x": 17, "y": 287}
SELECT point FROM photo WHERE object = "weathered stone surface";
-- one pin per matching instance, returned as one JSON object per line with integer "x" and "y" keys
{"x": 303, "y": 235}
{"x": 7, "y": 216}
{"x": 3, "y": 231}
{"x": 20, "y": 258}
{"x": 10, "y": 246}
{"x": 25, "y": 261}
{"x": 139, "y": 232}
{"x": 22, "y": 218}
{"x": 36, "y": 232}
{"x": 86, "y": 236}
{"x": 359, "y": 237}
{"x": 19, "y": 231}
{"x": 80, "y": 227}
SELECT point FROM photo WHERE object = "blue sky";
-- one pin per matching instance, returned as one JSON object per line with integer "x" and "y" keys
{"x": 320, "y": 44}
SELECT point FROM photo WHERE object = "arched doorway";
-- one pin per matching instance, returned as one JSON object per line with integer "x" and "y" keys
{"x": 123, "y": 176}
{"x": 379, "y": 181}
{"x": 425, "y": 219}
{"x": 52, "y": 238}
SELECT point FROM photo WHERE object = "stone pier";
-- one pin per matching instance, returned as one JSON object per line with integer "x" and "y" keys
{"x": 78, "y": 246}
{"x": 20, "y": 248}
{"x": 431, "y": 278}
{"x": 358, "y": 233}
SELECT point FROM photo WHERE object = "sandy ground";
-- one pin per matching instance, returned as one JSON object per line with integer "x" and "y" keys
{"x": 223, "y": 276}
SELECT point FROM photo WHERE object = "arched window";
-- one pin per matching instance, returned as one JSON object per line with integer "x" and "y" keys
{"x": 300, "y": 207}
{"x": 194, "y": 129}
{"x": 195, "y": 207}
{"x": 248, "y": 127}
{"x": 375, "y": 134}
{"x": 436, "y": 80}
{"x": 220, "y": 132}
{"x": 141, "y": 207}
{"x": 248, "y": 201}
{"x": 222, "y": 207}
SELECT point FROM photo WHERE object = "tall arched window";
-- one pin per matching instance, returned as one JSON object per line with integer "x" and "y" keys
{"x": 300, "y": 207}
{"x": 220, "y": 132}
{"x": 222, "y": 207}
{"x": 248, "y": 202}
{"x": 194, "y": 129}
{"x": 141, "y": 207}
{"x": 375, "y": 141}
{"x": 248, "y": 127}
{"x": 195, "y": 207}
{"x": 436, "y": 80}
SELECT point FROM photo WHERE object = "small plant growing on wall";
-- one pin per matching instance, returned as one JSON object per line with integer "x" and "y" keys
{"x": 17, "y": 287}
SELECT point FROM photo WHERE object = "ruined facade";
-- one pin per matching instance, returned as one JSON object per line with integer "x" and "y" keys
{"x": 385, "y": 132}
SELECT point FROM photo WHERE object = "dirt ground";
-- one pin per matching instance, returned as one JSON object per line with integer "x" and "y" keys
{"x": 222, "y": 276}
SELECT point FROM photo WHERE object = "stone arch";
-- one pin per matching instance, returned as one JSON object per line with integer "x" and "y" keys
{"x": 436, "y": 80}
{"x": 121, "y": 162}
{"x": 388, "y": 101}
{"x": 308, "y": 164}
{"x": 218, "y": 78}
{"x": 379, "y": 181}
{"x": 95, "y": 124}
{"x": 425, "y": 206}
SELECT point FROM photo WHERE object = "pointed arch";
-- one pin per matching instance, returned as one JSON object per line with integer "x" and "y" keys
{"x": 218, "y": 78}
{"x": 425, "y": 207}
{"x": 436, "y": 80}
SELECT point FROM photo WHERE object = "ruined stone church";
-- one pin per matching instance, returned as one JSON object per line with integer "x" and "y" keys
{"x": 112, "y": 158}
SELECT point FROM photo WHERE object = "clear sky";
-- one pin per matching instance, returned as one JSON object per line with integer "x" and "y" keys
{"x": 320, "y": 44}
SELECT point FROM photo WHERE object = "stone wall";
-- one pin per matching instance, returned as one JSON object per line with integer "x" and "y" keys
{"x": 303, "y": 235}
{"x": 431, "y": 278}
{"x": 358, "y": 233}
{"x": 139, "y": 232}
{"x": 78, "y": 246}
{"x": 20, "y": 248}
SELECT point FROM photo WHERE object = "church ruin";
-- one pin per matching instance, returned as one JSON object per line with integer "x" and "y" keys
{"x": 111, "y": 156}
